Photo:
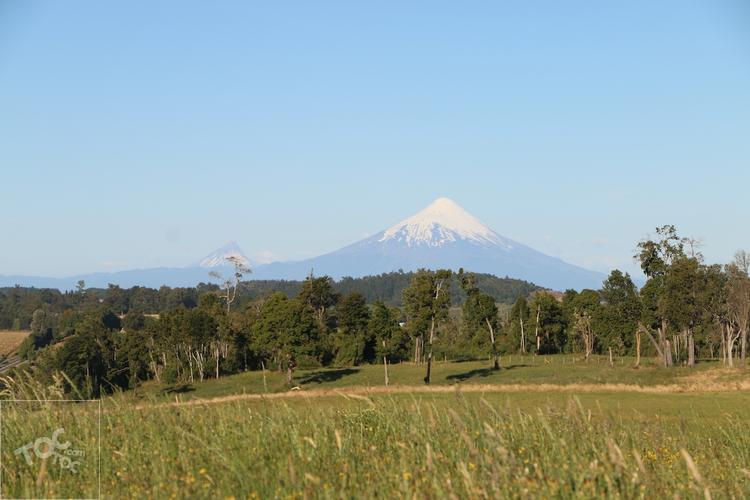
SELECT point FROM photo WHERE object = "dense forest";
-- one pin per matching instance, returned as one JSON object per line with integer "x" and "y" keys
{"x": 105, "y": 339}
{"x": 17, "y": 305}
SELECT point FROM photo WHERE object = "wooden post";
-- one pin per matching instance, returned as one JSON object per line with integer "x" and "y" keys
{"x": 385, "y": 365}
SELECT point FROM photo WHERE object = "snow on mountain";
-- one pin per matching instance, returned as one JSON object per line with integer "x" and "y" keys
{"x": 221, "y": 257}
{"x": 443, "y": 235}
{"x": 443, "y": 221}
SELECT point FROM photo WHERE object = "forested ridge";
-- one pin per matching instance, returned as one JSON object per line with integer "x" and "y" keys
{"x": 17, "y": 304}
{"x": 102, "y": 339}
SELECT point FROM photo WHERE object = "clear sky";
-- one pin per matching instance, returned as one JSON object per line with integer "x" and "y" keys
{"x": 141, "y": 133}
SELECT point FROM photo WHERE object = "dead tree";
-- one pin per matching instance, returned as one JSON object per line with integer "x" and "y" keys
{"x": 584, "y": 329}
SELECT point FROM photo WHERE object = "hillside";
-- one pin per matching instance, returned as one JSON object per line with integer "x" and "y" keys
{"x": 389, "y": 287}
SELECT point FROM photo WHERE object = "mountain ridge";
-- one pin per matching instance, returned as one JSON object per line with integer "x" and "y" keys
{"x": 442, "y": 235}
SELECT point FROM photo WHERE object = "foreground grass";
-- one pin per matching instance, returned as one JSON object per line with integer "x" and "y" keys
{"x": 557, "y": 370}
{"x": 444, "y": 445}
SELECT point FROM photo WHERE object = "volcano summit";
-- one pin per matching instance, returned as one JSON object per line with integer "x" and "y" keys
{"x": 443, "y": 235}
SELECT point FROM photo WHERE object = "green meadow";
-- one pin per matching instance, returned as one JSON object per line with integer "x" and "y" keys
{"x": 473, "y": 433}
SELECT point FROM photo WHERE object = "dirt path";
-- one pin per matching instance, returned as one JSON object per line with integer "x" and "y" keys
{"x": 364, "y": 392}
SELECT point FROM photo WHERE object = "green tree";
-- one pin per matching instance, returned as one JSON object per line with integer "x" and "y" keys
{"x": 88, "y": 360}
{"x": 286, "y": 329}
{"x": 427, "y": 302}
{"x": 684, "y": 303}
{"x": 580, "y": 311}
{"x": 391, "y": 340}
{"x": 518, "y": 324}
{"x": 737, "y": 323}
{"x": 548, "y": 323}
{"x": 479, "y": 313}
{"x": 40, "y": 336}
{"x": 618, "y": 318}
{"x": 354, "y": 343}
{"x": 319, "y": 295}
{"x": 656, "y": 256}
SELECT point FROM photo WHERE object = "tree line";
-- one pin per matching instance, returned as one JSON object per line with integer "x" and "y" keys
{"x": 101, "y": 340}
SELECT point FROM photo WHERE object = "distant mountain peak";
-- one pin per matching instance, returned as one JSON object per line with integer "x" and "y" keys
{"x": 443, "y": 221}
{"x": 221, "y": 256}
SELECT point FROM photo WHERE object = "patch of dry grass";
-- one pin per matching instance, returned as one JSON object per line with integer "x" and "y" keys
{"x": 705, "y": 386}
{"x": 10, "y": 341}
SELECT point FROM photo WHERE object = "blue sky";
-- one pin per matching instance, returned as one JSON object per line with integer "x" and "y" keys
{"x": 141, "y": 134}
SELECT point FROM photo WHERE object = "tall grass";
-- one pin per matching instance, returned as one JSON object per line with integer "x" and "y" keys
{"x": 446, "y": 446}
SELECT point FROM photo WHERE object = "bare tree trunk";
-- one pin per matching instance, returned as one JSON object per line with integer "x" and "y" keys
{"x": 523, "y": 337}
{"x": 666, "y": 348}
{"x": 657, "y": 345}
{"x": 691, "y": 347}
{"x": 732, "y": 338}
{"x": 154, "y": 366}
{"x": 217, "y": 361}
{"x": 536, "y": 331}
{"x": 496, "y": 363}
{"x": 668, "y": 351}
{"x": 429, "y": 351}
{"x": 190, "y": 363}
{"x": 611, "y": 363}
{"x": 638, "y": 348}
{"x": 730, "y": 349}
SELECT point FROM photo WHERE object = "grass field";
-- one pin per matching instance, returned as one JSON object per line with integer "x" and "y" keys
{"x": 337, "y": 437}
{"x": 10, "y": 341}
{"x": 529, "y": 371}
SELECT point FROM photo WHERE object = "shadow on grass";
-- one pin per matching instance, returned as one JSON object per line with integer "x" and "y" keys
{"x": 322, "y": 376}
{"x": 479, "y": 372}
{"x": 178, "y": 389}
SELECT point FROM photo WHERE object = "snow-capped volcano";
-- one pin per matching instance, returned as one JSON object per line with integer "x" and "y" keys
{"x": 223, "y": 256}
{"x": 442, "y": 222}
{"x": 443, "y": 235}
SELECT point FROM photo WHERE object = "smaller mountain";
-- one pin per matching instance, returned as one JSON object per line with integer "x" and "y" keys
{"x": 222, "y": 257}
{"x": 199, "y": 272}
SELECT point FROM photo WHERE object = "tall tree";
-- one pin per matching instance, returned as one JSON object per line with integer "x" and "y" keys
{"x": 427, "y": 302}
{"x": 656, "y": 256}
{"x": 620, "y": 313}
{"x": 230, "y": 284}
{"x": 353, "y": 343}
{"x": 548, "y": 323}
{"x": 286, "y": 329}
{"x": 318, "y": 294}
{"x": 479, "y": 313}
{"x": 582, "y": 309}
{"x": 518, "y": 323}
{"x": 391, "y": 342}
{"x": 685, "y": 302}
{"x": 738, "y": 305}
